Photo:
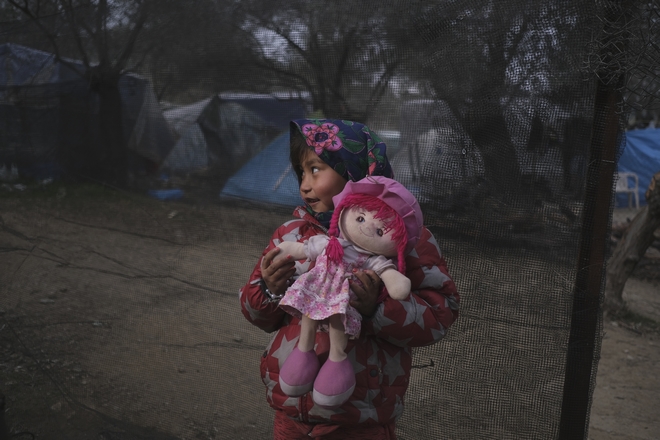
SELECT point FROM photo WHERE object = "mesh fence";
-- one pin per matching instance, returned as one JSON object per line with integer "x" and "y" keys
{"x": 122, "y": 258}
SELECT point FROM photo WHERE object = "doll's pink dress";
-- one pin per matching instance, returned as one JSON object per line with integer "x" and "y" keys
{"x": 324, "y": 290}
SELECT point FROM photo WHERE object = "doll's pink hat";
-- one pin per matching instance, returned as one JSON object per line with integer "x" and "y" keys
{"x": 396, "y": 196}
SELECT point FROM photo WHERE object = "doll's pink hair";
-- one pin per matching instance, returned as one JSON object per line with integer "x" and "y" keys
{"x": 391, "y": 219}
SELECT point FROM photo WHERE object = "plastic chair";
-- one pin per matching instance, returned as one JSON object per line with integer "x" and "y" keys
{"x": 628, "y": 183}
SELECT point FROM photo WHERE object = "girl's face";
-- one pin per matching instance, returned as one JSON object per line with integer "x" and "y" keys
{"x": 320, "y": 183}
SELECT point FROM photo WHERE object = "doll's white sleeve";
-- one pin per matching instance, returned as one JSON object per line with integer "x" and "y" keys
{"x": 379, "y": 263}
{"x": 315, "y": 245}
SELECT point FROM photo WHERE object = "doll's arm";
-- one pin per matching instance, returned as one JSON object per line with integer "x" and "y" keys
{"x": 310, "y": 248}
{"x": 397, "y": 284}
{"x": 296, "y": 250}
{"x": 424, "y": 317}
{"x": 256, "y": 306}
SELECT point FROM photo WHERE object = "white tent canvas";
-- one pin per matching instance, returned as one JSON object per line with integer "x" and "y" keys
{"x": 227, "y": 130}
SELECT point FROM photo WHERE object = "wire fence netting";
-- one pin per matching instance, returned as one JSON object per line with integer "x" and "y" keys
{"x": 144, "y": 158}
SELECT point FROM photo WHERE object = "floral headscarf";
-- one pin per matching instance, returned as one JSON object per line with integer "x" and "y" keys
{"x": 350, "y": 148}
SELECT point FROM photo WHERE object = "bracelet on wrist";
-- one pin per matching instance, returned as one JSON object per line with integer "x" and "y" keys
{"x": 270, "y": 296}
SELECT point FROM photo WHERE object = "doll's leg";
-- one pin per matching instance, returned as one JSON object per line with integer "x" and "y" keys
{"x": 338, "y": 339}
{"x": 307, "y": 334}
{"x": 301, "y": 366}
{"x": 336, "y": 380}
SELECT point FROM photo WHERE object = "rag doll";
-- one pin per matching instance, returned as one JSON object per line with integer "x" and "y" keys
{"x": 375, "y": 224}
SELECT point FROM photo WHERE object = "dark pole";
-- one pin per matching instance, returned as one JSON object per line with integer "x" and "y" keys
{"x": 586, "y": 319}
{"x": 586, "y": 314}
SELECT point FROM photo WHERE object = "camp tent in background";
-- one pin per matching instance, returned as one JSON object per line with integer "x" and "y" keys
{"x": 49, "y": 117}
{"x": 267, "y": 177}
{"x": 189, "y": 151}
{"x": 641, "y": 156}
{"x": 227, "y": 130}
{"x": 433, "y": 149}
{"x": 436, "y": 152}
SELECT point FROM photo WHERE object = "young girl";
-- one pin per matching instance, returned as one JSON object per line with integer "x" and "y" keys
{"x": 326, "y": 154}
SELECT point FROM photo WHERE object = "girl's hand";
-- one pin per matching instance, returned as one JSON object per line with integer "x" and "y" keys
{"x": 276, "y": 273}
{"x": 366, "y": 291}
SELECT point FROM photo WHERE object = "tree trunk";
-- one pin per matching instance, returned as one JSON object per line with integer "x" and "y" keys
{"x": 632, "y": 247}
{"x": 485, "y": 123}
{"x": 114, "y": 156}
{"x": 112, "y": 135}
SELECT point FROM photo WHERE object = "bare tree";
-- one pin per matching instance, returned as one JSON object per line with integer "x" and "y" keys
{"x": 193, "y": 52}
{"x": 638, "y": 30}
{"x": 480, "y": 57}
{"x": 631, "y": 54}
{"x": 344, "y": 60}
{"x": 632, "y": 246}
{"x": 102, "y": 34}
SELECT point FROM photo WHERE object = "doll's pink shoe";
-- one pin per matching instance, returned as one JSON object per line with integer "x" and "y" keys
{"x": 298, "y": 372}
{"x": 334, "y": 383}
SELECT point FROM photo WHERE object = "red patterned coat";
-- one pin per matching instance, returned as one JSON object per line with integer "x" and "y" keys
{"x": 381, "y": 356}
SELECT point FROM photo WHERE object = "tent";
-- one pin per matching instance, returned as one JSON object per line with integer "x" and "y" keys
{"x": 433, "y": 150}
{"x": 267, "y": 177}
{"x": 225, "y": 131}
{"x": 49, "y": 116}
{"x": 641, "y": 156}
{"x": 189, "y": 151}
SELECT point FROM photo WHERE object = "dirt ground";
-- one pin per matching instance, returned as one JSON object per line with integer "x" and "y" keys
{"x": 110, "y": 308}
{"x": 627, "y": 395}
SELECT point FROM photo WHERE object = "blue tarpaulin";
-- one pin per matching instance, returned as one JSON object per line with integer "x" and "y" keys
{"x": 641, "y": 156}
{"x": 267, "y": 177}
{"x": 23, "y": 66}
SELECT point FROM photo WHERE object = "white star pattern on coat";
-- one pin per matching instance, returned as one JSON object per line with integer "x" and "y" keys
{"x": 380, "y": 320}
{"x": 292, "y": 236}
{"x": 438, "y": 334}
{"x": 294, "y": 220}
{"x": 254, "y": 314}
{"x": 392, "y": 368}
{"x": 433, "y": 277}
{"x": 357, "y": 367}
{"x": 270, "y": 385}
{"x": 366, "y": 407}
{"x": 398, "y": 408}
{"x": 373, "y": 358}
{"x": 414, "y": 312}
{"x": 452, "y": 303}
{"x": 284, "y": 350}
{"x": 302, "y": 267}
{"x": 316, "y": 410}
{"x": 435, "y": 243}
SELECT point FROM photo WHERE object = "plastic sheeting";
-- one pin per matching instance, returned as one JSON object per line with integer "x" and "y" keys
{"x": 49, "y": 117}
{"x": 641, "y": 156}
{"x": 268, "y": 177}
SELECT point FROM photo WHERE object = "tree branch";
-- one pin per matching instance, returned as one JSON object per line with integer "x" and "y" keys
{"x": 75, "y": 31}
{"x": 132, "y": 39}
{"x": 632, "y": 247}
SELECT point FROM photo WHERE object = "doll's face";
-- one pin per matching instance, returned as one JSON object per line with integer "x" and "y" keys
{"x": 361, "y": 228}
